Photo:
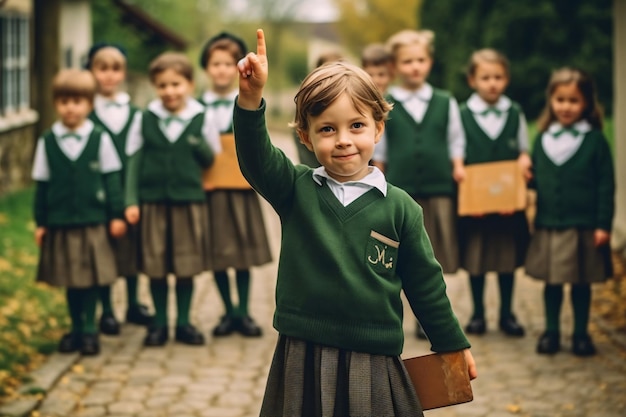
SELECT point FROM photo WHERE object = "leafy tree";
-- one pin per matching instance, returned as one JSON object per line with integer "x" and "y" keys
{"x": 537, "y": 36}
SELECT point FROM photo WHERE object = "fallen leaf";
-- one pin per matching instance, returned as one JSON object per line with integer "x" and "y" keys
{"x": 513, "y": 408}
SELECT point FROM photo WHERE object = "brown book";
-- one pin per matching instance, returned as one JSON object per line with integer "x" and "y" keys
{"x": 492, "y": 187}
{"x": 440, "y": 379}
{"x": 225, "y": 172}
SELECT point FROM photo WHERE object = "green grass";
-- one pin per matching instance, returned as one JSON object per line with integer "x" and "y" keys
{"x": 32, "y": 315}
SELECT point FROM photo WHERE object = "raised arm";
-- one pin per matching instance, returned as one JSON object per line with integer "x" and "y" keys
{"x": 253, "y": 70}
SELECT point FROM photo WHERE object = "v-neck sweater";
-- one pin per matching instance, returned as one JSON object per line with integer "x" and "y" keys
{"x": 342, "y": 269}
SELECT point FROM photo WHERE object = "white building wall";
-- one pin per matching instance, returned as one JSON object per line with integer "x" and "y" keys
{"x": 75, "y": 33}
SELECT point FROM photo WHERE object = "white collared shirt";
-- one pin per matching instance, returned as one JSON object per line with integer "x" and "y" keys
{"x": 560, "y": 149}
{"x": 175, "y": 128}
{"x": 347, "y": 192}
{"x": 73, "y": 147}
{"x": 222, "y": 113}
{"x": 492, "y": 124}
{"x": 416, "y": 104}
{"x": 113, "y": 113}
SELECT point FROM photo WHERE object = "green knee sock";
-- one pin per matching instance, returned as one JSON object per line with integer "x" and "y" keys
{"x": 505, "y": 283}
{"x": 131, "y": 289}
{"x": 477, "y": 284}
{"x": 581, "y": 303}
{"x": 553, "y": 299}
{"x": 221, "y": 280}
{"x": 104, "y": 293}
{"x": 75, "y": 309}
{"x": 90, "y": 301}
{"x": 158, "y": 288}
{"x": 243, "y": 289}
{"x": 184, "y": 291}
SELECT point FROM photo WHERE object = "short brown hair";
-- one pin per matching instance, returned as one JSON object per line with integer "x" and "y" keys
{"x": 566, "y": 75}
{"x": 487, "y": 55}
{"x": 324, "y": 84}
{"x": 410, "y": 37}
{"x": 226, "y": 42}
{"x": 374, "y": 55}
{"x": 171, "y": 60}
{"x": 108, "y": 55}
{"x": 71, "y": 82}
{"x": 326, "y": 57}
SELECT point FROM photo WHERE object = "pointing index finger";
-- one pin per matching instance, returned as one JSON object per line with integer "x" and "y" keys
{"x": 260, "y": 42}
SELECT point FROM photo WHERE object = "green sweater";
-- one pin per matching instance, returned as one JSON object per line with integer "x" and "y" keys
{"x": 342, "y": 269}
{"x": 418, "y": 159}
{"x": 481, "y": 148}
{"x": 77, "y": 193}
{"x": 119, "y": 139}
{"x": 163, "y": 171}
{"x": 581, "y": 192}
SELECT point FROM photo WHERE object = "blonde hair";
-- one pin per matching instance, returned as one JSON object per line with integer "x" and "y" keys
{"x": 71, "y": 82}
{"x": 326, "y": 83}
{"x": 411, "y": 37}
{"x": 375, "y": 54}
{"x": 566, "y": 75}
{"x": 175, "y": 61}
{"x": 109, "y": 56}
{"x": 487, "y": 55}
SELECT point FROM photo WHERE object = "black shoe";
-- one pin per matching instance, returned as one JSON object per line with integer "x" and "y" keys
{"x": 139, "y": 314}
{"x": 109, "y": 324}
{"x": 225, "y": 327}
{"x": 420, "y": 333}
{"x": 549, "y": 343}
{"x": 476, "y": 325}
{"x": 90, "y": 345}
{"x": 70, "y": 342}
{"x": 583, "y": 345}
{"x": 511, "y": 327}
{"x": 189, "y": 335}
{"x": 248, "y": 327}
{"x": 157, "y": 336}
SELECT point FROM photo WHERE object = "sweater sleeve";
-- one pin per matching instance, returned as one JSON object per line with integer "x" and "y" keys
{"x": 115, "y": 196}
{"x": 425, "y": 288}
{"x": 41, "y": 190}
{"x": 606, "y": 185}
{"x": 131, "y": 182}
{"x": 266, "y": 167}
{"x": 203, "y": 154}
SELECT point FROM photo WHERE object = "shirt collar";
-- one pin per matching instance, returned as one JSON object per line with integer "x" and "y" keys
{"x": 191, "y": 109}
{"x": 121, "y": 98}
{"x": 581, "y": 126}
{"x": 210, "y": 96}
{"x": 424, "y": 93}
{"x": 375, "y": 178}
{"x": 59, "y": 129}
{"x": 477, "y": 105}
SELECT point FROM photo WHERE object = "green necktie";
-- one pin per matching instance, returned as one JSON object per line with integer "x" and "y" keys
{"x": 111, "y": 103}
{"x": 70, "y": 135}
{"x": 491, "y": 109}
{"x": 221, "y": 102}
{"x": 571, "y": 130}
{"x": 170, "y": 119}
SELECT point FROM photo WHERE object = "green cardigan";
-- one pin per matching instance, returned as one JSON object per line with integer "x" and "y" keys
{"x": 581, "y": 192}
{"x": 342, "y": 269}
{"x": 77, "y": 193}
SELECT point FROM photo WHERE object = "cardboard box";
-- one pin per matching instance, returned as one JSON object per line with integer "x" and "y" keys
{"x": 225, "y": 172}
{"x": 492, "y": 187}
{"x": 440, "y": 379}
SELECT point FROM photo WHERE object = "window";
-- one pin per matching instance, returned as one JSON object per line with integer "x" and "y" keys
{"x": 14, "y": 63}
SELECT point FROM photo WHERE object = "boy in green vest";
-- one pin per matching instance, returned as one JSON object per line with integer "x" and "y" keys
{"x": 78, "y": 203}
{"x": 167, "y": 156}
{"x": 116, "y": 115}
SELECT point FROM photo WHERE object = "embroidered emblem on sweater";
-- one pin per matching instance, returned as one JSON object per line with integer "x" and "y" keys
{"x": 381, "y": 256}
{"x": 193, "y": 140}
{"x": 100, "y": 195}
{"x": 94, "y": 165}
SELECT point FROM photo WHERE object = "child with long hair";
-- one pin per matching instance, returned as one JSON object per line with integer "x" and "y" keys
{"x": 574, "y": 179}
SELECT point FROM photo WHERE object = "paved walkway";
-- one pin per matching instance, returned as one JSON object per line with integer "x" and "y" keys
{"x": 227, "y": 376}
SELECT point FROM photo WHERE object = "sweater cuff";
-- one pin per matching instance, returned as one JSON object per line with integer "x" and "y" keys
{"x": 249, "y": 120}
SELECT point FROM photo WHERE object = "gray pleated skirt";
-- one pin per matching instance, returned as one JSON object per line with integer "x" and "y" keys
{"x": 172, "y": 239}
{"x": 126, "y": 250}
{"x": 79, "y": 257}
{"x": 493, "y": 243}
{"x": 237, "y": 235}
{"x": 567, "y": 256}
{"x": 440, "y": 222}
{"x": 310, "y": 380}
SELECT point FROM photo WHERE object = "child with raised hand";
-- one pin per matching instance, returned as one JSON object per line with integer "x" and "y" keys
{"x": 115, "y": 114}
{"x": 574, "y": 179}
{"x": 236, "y": 225}
{"x": 496, "y": 130}
{"x": 351, "y": 244}
{"x": 425, "y": 143}
{"x": 78, "y": 203}
{"x": 167, "y": 154}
